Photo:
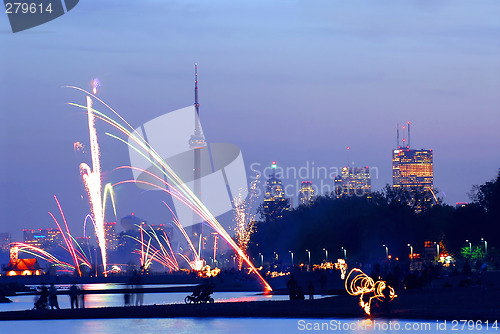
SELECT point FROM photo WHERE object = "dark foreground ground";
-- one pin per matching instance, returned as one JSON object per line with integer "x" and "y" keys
{"x": 472, "y": 303}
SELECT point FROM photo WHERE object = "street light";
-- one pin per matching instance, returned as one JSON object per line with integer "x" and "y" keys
{"x": 309, "y": 254}
{"x": 326, "y": 254}
{"x": 437, "y": 249}
{"x": 411, "y": 254}
{"x": 386, "y": 251}
{"x": 345, "y": 252}
{"x": 485, "y": 246}
{"x": 470, "y": 248}
{"x": 292, "y": 256}
{"x": 261, "y": 260}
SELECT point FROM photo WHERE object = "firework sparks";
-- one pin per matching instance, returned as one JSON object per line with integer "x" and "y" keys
{"x": 362, "y": 285}
{"x": 342, "y": 266}
{"x": 92, "y": 181}
{"x": 179, "y": 189}
{"x": 77, "y": 146}
{"x": 96, "y": 83}
{"x": 244, "y": 220}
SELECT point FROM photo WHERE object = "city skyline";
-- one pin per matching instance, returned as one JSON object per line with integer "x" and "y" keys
{"x": 292, "y": 83}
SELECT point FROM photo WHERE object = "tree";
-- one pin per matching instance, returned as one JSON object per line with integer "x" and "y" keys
{"x": 488, "y": 195}
{"x": 272, "y": 210}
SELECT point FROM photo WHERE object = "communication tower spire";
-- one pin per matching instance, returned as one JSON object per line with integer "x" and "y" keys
{"x": 397, "y": 137}
{"x": 408, "y": 124}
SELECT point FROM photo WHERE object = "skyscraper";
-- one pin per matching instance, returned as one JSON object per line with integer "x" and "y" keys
{"x": 46, "y": 239}
{"x": 275, "y": 202}
{"x": 353, "y": 181}
{"x": 412, "y": 172}
{"x": 306, "y": 193}
{"x": 110, "y": 236}
{"x": 412, "y": 168}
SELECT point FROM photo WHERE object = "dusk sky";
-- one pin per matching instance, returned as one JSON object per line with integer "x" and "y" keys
{"x": 293, "y": 81}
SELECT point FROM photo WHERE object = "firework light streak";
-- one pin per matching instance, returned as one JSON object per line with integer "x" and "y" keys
{"x": 92, "y": 182}
{"x": 244, "y": 220}
{"x": 149, "y": 252}
{"x": 42, "y": 254}
{"x": 192, "y": 201}
{"x": 360, "y": 284}
{"x": 68, "y": 243}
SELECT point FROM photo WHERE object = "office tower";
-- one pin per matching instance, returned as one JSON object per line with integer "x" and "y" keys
{"x": 412, "y": 172}
{"x": 110, "y": 236}
{"x": 353, "y": 181}
{"x": 306, "y": 193}
{"x": 46, "y": 239}
{"x": 275, "y": 202}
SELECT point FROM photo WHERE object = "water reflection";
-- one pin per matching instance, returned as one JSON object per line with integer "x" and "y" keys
{"x": 222, "y": 325}
{"x": 117, "y": 299}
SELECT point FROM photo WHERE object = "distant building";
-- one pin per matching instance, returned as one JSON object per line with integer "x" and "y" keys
{"x": 83, "y": 243}
{"x": 353, "y": 181}
{"x": 306, "y": 193}
{"x": 21, "y": 267}
{"x": 110, "y": 236}
{"x": 275, "y": 202}
{"x": 412, "y": 168}
{"x": 162, "y": 230}
{"x": 461, "y": 204}
{"x": 5, "y": 241}
{"x": 46, "y": 239}
{"x": 412, "y": 171}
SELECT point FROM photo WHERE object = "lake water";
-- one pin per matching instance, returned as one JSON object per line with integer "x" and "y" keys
{"x": 232, "y": 326}
{"x": 20, "y": 303}
{"x": 210, "y": 325}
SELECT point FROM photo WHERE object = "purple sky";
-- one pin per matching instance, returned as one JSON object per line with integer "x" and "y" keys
{"x": 291, "y": 81}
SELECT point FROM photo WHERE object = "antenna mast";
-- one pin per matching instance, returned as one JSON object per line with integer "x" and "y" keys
{"x": 196, "y": 104}
{"x": 408, "y": 124}
{"x": 397, "y": 137}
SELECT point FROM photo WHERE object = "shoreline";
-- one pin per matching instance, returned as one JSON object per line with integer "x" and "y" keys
{"x": 430, "y": 305}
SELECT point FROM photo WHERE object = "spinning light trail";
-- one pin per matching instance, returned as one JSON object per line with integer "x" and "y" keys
{"x": 362, "y": 285}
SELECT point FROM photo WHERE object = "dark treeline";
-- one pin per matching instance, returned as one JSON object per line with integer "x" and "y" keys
{"x": 362, "y": 225}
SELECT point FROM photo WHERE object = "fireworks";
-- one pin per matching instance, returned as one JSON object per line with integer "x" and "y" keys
{"x": 92, "y": 181}
{"x": 77, "y": 255}
{"x": 244, "y": 220}
{"x": 362, "y": 285}
{"x": 342, "y": 266}
{"x": 96, "y": 83}
{"x": 176, "y": 187}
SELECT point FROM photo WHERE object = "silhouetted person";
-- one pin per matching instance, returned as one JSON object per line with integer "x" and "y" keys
{"x": 53, "y": 297}
{"x": 299, "y": 293}
{"x": 310, "y": 290}
{"x": 137, "y": 286}
{"x": 387, "y": 299}
{"x": 126, "y": 296}
{"x": 292, "y": 287}
{"x": 41, "y": 303}
{"x": 81, "y": 296}
{"x": 73, "y": 295}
